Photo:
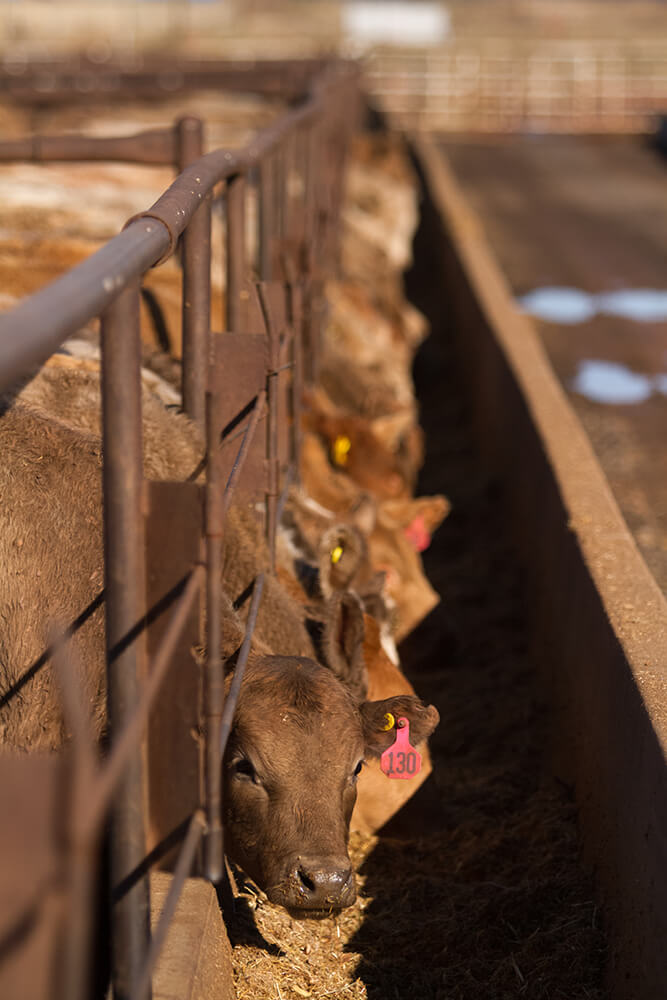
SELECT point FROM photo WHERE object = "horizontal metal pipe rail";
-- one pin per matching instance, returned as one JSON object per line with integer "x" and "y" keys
{"x": 35, "y": 328}
{"x": 54, "y": 81}
{"x": 107, "y": 284}
{"x": 49, "y": 316}
{"x": 153, "y": 146}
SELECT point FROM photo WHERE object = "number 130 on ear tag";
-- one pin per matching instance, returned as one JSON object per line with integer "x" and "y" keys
{"x": 401, "y": 760}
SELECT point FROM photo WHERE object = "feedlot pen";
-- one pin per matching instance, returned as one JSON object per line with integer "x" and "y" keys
{"x": 477, "y": 887}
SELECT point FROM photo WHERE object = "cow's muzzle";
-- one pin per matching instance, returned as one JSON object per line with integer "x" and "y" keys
{"x": 315, "y": 885}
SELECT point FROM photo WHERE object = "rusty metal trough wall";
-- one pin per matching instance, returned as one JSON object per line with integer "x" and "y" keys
{"x": 600, "y": 619}
{"x": 248, "y": 376}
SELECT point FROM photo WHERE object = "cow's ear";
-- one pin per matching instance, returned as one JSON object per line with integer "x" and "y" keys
{"x": 379, "y": 722}
{"x": 343, "y": 642}
{"x": 341, "y": 553}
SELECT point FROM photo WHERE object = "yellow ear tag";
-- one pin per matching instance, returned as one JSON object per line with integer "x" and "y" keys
{"x": 389, "y": 722}
{"x": 341, "y": 449}
{"x": 336, "y": 554}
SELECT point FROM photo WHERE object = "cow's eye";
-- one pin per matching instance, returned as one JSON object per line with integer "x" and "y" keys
{"x": 357, "y": 770}
{"x": 244, "y": 769}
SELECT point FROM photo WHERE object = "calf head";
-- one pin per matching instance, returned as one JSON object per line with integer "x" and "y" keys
{"x": 357, "y": 450}
{"x": 298, "y": 744}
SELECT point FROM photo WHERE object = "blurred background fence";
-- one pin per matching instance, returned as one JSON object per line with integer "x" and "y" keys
{"x": 535, "y": 65}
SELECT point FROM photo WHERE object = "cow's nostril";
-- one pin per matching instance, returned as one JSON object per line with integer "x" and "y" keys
{"x": 306, "y": 880}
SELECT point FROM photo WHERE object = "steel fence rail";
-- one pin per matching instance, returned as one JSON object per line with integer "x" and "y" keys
{"x": 156, "y": 147}
{"x": 31, "y": 331}
{"x": 53, "y": 81}
{"x": 239, "y": 670}
{"x": 125, "y": 586}
{"x": 34, "y": 329}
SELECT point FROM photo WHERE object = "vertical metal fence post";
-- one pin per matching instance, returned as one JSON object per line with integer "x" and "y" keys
{"x": 266, "y": 217}
{"x": 339, "y": 135}
{"x": 311, "y": 249}
{"x": 279, "y": 176}
{"x": 310, "y": 195}
{"x": 235, "y": 251}
{"x": 76, "y": 948}
{"x": 331, "y": 150}
{"x": 214, "y": 694}
{"x": 196, "y": 241}
{"x": 272, "y": 459}
{"x": 290, "y": 194}
{"x": 295, "y": 321}
{"x": 125, "y": 613}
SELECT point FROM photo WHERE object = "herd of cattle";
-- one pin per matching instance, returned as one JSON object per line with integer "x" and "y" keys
{"x": 324, "y": 696}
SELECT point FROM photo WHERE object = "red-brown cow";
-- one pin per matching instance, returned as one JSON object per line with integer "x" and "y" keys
{"x": 299, "y": 734}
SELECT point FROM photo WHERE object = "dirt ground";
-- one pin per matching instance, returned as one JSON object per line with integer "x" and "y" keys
{"x": 476, "y": 889}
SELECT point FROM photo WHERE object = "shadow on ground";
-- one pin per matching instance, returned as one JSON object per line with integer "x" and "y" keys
{"x": 476, "y": 887}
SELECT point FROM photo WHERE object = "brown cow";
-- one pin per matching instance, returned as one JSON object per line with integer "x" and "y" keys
{"x": 395, "y": 530}
{"x": 381, "y": 455}
{"x": 298, "y": 745}
{"x": 173, "y": 450}
{"x": 299, "y": 734}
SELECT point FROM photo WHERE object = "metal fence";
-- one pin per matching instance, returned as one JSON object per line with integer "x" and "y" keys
{"x": 506, "y": 85}
{"x": 234, "y": 383}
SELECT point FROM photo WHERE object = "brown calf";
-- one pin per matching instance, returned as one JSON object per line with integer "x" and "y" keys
{"x": 299, "y": 734}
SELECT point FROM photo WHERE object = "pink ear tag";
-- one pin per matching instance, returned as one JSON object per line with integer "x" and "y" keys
{"x": 401, "y": 760}
{"x": 418, "y": 534}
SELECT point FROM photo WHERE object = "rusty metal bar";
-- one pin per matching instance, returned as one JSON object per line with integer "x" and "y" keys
{"x": 217, "y": 504}
{"x": 326, "y": 189}
{"x": 35, "y": 328}
{"x": 30, "y": 332}
{"x": 196, "y": 243}
{"x": 298, "y": 191}
{"x": 125, "y": 614}
{"x": 235, "y": 251}
{"x": 273, "y": 465}
{"x": 183, "y": 868}
{"x": 214, "y": 694}
{"x": 310, "y": 261}
{"x": 52, "y": 82}
{"x": 154, "y": 146}
{"x": 266, "y": 191}
{"x": 313, "y": 174}
{"x": 289, "y": 216}
{"x": 295, "y": 321}
{"x": 342, "y": 112}
{"x": 176, "y": 206}
{"x": 100, "y": 795}
{"x": 279, "y": 190}
{"x": 76, "y": 950}
{"x": 239, "y": 670}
